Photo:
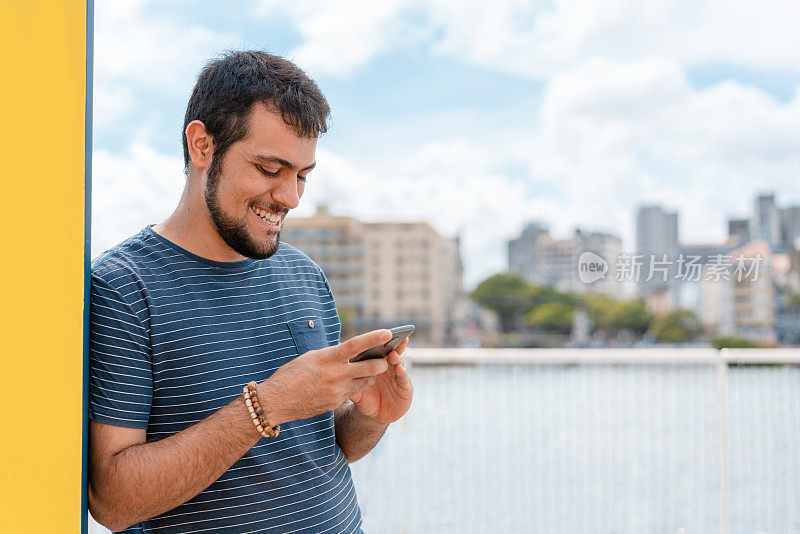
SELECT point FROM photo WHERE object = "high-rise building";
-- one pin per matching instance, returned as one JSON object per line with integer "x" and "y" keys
{"x": 765, "y": 220}
{"x": 544, "y": 260}
{"x": 735, "y": 291}
{"x": 701, "y": 284}
{"x": 790, "y": 227}
{"x": 522, "y": 251}
{"x": 385, "y": 274}
{"x": 754, "y": 306}
{"x": 657, "y": 247}
{"x": 739, "y": 230}
{"x": 787, "y": 316}
{"x": 778, "y": 227}
{"x": 754, "y": 294}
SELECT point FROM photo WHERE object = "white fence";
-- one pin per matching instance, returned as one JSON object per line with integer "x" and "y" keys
{"x": 678, "y": 356}
{"x": 590, "y": 441}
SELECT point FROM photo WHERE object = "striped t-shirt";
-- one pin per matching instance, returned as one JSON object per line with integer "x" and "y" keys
{"x": 174, "y": 337}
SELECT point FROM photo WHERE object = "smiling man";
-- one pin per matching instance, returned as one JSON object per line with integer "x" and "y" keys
{"x": 188, "y": 312}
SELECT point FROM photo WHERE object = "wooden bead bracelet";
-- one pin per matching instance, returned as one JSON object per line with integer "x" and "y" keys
{"x": 257, "y": 414}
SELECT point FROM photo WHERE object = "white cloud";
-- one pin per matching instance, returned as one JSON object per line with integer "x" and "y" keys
{"x": 340, "y": 36}
{"x": 619, "y": 125}
{"x": 450, "y": 184}
{"x": 613, "y": 135}
{"x": 155, "y": 51}
{"x": 134, "y": 48}
{"x": 546, "y": 39}
{"x": 541, "y": 38}
{"x": 616, "y": 134}
{"x": 131, "y": 190}
{"x": 109, "y": 103}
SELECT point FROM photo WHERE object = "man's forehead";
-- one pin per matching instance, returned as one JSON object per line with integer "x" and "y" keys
{"x": 269, "y": 137}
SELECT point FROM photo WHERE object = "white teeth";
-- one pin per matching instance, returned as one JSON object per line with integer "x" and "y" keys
{"x": 272, "y": 218}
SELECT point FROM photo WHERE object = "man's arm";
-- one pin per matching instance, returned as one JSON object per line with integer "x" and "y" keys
{"x": 356, "y": 434}
{"x": 131, "y": 481}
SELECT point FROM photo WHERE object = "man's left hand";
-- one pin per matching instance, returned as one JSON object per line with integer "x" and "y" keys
{"x": 389, "y": 398}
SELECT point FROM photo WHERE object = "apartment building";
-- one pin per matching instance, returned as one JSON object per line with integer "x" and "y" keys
{"x": 545, "y": 260}
{"x": 656, "y": 239}
{"x": 385, "y": 274}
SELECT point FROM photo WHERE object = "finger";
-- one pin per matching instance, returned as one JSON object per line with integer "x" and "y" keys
{"x": 402, "y": 378}
{"x": 355, "y": 345}
{"x": 367, "y": 367}
{"x": 402, "y": 346}
{"x": 397, "y": 360}
{"x": 391, "y": 361}
{"x": 359, "y": 384}
{"x": 393, "y": 358}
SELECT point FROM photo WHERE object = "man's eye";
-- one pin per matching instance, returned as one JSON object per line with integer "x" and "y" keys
{"x": 266, "y": 172}
{"x": 301, "y": 177}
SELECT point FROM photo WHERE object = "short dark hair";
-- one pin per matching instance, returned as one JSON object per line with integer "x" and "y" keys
{"x": 228, "y": 86}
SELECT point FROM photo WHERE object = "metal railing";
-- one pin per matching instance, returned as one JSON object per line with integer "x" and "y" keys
{"x": 679, "y": 440}
{"x": 447, "y": 359}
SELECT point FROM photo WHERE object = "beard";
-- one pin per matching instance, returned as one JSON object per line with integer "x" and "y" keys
{"x": 234, "y": 232}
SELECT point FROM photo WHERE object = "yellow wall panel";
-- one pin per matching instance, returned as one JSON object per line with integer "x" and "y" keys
{"x": 42, "y": 208}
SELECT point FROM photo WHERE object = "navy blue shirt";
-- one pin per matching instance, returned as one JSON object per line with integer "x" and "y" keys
{"x": 174, "y": 337}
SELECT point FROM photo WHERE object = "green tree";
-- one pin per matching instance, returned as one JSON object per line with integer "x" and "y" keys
{"x": 791, "y": 303}
{"x": 733, "y": 342}
{"x": 542, "y": 295}
{"x": 676, "y": 326}
{"x": 632, "y": 315}
{"x": 506, "y": 294}
{"x": 552, "y": 316}
{"x": 612, "y": 315}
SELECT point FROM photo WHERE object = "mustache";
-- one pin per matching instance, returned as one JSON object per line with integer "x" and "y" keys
{"x": 272, "y": 207}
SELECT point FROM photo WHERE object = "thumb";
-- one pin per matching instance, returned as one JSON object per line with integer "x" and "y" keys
{"x": 358, "y": 344}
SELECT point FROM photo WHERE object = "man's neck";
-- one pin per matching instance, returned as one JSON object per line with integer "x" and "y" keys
{"x": 192, "y": 229}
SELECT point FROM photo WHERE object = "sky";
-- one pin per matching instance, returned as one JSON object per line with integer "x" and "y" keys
{"x": 476, "y": 117}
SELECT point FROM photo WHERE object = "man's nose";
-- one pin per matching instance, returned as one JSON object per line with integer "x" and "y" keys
{"x": 286, "y": 193}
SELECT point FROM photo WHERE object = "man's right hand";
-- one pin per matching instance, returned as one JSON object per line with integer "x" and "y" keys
{"x": 321, "y": 380}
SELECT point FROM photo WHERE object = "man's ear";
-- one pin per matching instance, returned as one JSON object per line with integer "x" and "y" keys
{"x": 200, "y": 144}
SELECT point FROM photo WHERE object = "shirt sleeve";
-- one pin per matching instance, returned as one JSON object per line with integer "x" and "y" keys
{"x": 120, "y": 363}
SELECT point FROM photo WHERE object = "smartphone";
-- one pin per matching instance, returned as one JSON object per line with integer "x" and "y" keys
{"x": 381, "y": 351}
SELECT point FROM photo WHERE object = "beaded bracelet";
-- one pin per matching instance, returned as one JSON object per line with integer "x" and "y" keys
{"x": 257, "y": 414}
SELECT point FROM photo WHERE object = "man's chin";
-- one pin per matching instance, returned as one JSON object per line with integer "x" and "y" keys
{"x": 270, "y": 249}
{"x": 247, "y": 246}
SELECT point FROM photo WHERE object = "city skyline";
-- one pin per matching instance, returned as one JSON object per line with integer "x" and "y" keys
{"x": 657, "y": 232}
{"x": 746, "y": 285}
{"x": 475, "y": 120}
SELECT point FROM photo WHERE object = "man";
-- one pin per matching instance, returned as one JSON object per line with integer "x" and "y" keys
{"x": 186, "y": 312}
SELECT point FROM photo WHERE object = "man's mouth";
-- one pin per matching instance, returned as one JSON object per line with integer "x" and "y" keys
{"x": 271, "y": 219}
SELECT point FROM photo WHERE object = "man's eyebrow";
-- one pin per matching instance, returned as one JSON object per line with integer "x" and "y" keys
{"x": 280, "y": 161}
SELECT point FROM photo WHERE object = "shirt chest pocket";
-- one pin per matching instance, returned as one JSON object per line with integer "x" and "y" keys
{"x": 307, "y": 334}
